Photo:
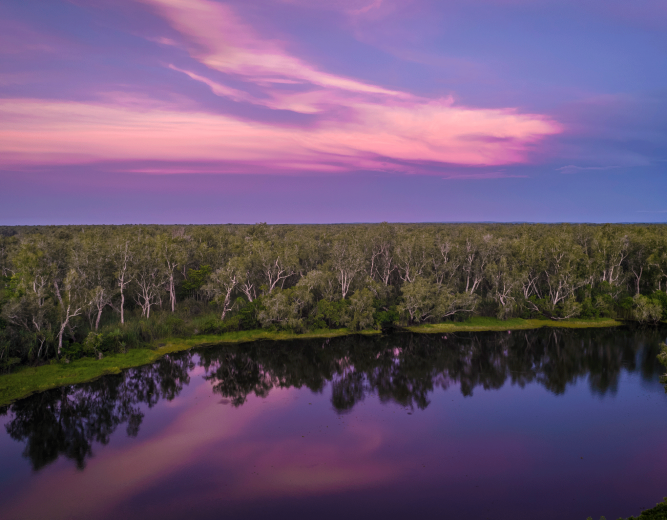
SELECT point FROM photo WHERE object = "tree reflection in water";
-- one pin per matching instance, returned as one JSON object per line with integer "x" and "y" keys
{"x": 406, "y": 368}
{"x": 67, "y": 421}
{"x": 400, "y": 368}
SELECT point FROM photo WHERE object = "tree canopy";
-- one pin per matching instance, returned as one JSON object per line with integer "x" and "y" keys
{"x": 125, "y": 285}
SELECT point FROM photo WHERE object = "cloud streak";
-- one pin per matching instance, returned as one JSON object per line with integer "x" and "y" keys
{"x": 219, "y": 39}
{"x": 38, "y": 132}
{"x": 355, "y": 125}
{"x": 571, "y": 168}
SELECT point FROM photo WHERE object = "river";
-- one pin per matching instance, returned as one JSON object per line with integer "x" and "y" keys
{"x": 548, "y": 424}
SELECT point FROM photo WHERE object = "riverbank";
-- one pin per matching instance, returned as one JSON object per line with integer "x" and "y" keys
{"x": 481, "y": 324}
{"x": 29, "y": 380}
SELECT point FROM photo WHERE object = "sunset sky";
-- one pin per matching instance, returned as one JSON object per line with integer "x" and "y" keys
{"x": 291, "y": 111}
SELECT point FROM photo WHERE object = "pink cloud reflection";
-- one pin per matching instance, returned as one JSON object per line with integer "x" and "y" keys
{"x": 208, "y": 434}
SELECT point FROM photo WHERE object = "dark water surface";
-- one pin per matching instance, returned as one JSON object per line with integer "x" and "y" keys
{"x": 548, "y": 424}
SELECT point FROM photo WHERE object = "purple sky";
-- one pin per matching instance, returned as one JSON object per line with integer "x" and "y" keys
{"x": 204, "y": 111}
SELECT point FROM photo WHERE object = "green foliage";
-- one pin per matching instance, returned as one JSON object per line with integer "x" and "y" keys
{"x": 93, "y": 342}
{"x": 385, "y": 317}
{"x": 662, "y": 357}
{"x": 286, "y": 308}
{"x": 626, "y": 303}
{"x": 361, "y": 311}
{"x": 195, "y": 280}
{"x": 74, "y": 351}
{"x": 58, "y": 284}
{"x": 646, "y": 310}
{"x": 248, "y": 313}
{"x": 589, "y": 309}
{"x": 329, "y": 314}
{"x": 660, "y": 298}
{"x": 659, "y": 512}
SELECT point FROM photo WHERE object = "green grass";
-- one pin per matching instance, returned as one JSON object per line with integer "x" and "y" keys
{"x": 480, "y": 324}
{"x": 29, "y": 380}
{"x": 245, "y": 336}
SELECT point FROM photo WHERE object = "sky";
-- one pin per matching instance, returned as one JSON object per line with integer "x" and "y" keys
{"x": 316, "y": 111}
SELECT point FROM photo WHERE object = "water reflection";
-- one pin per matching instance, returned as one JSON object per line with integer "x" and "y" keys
{"x": 402, "y": 368}
{"x": 67, "y": 421}
{"x": 407, "y": 368}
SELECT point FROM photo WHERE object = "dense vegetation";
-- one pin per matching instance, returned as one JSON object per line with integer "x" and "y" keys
{"x": 74, "y": 291}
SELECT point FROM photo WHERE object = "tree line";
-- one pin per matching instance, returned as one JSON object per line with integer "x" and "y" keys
{"x": 81, "y": 290}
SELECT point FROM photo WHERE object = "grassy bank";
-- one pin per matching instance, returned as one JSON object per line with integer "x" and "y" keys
{"x": 481, "y": 324}
{"x": 29, "y": 380}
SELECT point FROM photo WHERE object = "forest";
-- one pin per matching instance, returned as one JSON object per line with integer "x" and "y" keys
{"x": 73, "y": 291}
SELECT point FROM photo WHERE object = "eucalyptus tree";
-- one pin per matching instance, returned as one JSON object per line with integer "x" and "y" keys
{"x": 247, "y": 280}
{"x": 657, "y": 261}
{"x": 91, "y": 258}
{"x": 322, "y": 283}
{"x": 122, "y": 258}
{"x": 312, "y": 249}
{"x": 31, "y": 299}
{"x": 347, "y": 260}
{"x": 25, "y": 312}
{"x": 148, "y": 274}
{"x": 7, "y": 247}
{"x": 209, "y": 245}
{"x": 382, "y": 263}
{"x": 477, "y": 249}
{"x": 173, "y": 251}
{"x": 611, "y": 247}
{"x": 562, "y": 274}
{"x": 505, "y": 280}
{"x": 531, "y": 261}
{"x": 72, "y": 299}
{"x": 445, "y": 258}
{"x": 411, "y": 254}
{"x": 425, "y": 301}
{"x": 222, "y": 284}
{"x": 286, "y": 307}
{"x": 277, "y": 259}
{"x": 58, "y": 255}
{"x": 641, "y": 245}
{"x": 32, "y": 270}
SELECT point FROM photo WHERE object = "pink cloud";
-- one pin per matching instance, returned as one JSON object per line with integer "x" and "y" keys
{"x": 356, "y": 8}
{"x": 36, "y": 132}
{"x": 221, "y": 41}
{"x": 357, "y": 125}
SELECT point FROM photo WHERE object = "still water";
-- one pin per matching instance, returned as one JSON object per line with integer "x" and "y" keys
{"x": 548, "y": 424}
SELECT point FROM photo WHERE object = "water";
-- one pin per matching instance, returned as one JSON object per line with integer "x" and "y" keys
{"x": 537, "y": 424}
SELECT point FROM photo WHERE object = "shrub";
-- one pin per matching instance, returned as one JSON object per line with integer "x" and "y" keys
{"x": 360, "y": 313}
{"x": 330, "y": 314}
{"x": 646, "y": 310}
{"x": 248, "y": 312}
{"x": 387, "y": 317}
{"x": 93, "y": 342}
{"x": 660, "y": 298}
